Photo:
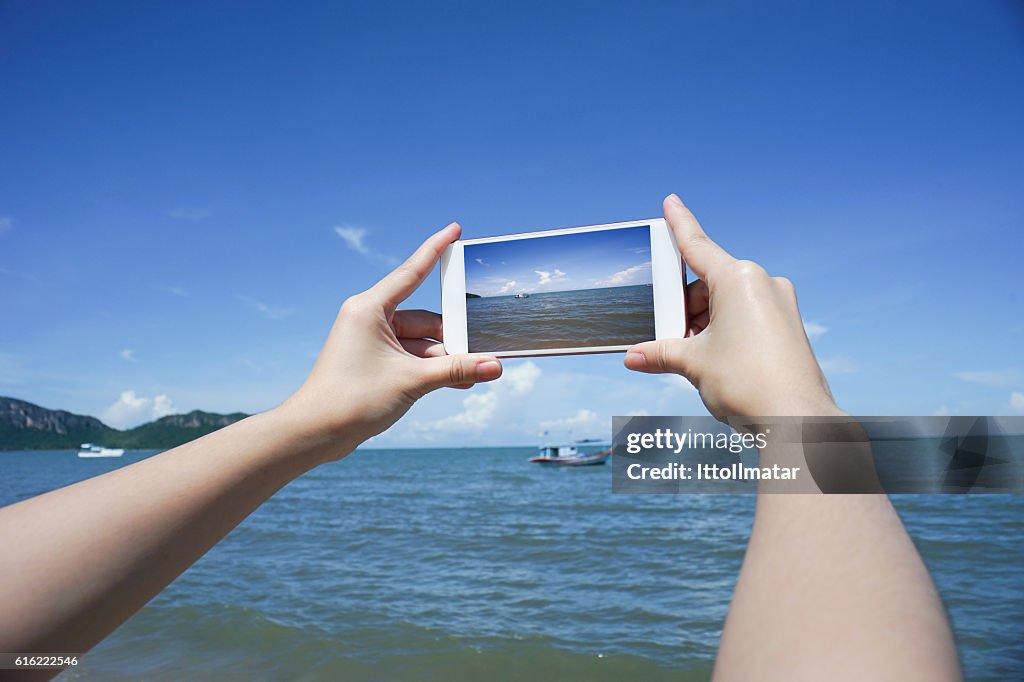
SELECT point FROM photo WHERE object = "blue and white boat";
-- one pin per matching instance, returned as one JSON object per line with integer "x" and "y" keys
{"x": 569, "y": 455}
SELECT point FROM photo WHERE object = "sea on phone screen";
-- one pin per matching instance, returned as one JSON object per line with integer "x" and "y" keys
{"x": 611, "y": 316}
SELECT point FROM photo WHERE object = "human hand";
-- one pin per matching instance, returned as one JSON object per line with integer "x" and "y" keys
{"x": 378, "y": 360}
{"x": 747, "y": 352}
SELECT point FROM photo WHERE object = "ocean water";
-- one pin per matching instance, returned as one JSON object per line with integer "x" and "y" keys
{"x": 470, "y": 564}
{"x": 614, "y": 316}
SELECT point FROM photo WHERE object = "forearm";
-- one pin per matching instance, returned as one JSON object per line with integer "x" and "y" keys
{"x": 80, "y": 560}
{"x": 833, "y": 582}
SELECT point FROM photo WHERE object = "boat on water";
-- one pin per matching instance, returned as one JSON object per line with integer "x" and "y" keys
{"x": 89, "y": 450}
{"x": 521, "y": 296}
{"x": 569, "y": 455}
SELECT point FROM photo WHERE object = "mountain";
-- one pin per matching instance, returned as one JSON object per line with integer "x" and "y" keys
{"x": 175, "y": 429}
{"x": 25, "y": 426}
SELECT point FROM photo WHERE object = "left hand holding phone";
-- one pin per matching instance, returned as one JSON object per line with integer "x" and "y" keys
{"x": 378, "y": 360}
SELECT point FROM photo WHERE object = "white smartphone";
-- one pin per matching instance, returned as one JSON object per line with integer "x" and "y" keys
{"x": 596, "y": 289}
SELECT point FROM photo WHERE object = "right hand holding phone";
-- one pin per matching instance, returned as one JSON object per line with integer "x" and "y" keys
{"x": 747, "y": 352}
{"x": 378, "y": 360}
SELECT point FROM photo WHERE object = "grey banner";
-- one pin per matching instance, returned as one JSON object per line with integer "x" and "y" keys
{"x": 818, "y": 455}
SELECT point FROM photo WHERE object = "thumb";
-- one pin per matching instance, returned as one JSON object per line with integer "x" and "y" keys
{"x": 458, "y": 370}
{"x": 664, "y": 355}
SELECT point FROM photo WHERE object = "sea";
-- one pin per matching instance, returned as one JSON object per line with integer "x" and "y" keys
{"x": 473, "y": 564}
{"x": 613, "y": 316}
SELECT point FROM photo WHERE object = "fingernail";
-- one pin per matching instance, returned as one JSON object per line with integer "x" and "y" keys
{"x": 488, "y": 369}
{"x": 636, "y": 360}
{"x": 674, "y": 198}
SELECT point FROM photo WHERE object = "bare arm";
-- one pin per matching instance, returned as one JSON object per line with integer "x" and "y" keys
{"x": 79, "y": 561}
{"x": 831, "y": 585}
{"x": 82, "y": 559}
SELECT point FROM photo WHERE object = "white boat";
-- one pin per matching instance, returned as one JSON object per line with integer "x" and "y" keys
{"x": 569, "y": 455}
{"x": 521, "y": 296}
{"x": 90, "y": 450}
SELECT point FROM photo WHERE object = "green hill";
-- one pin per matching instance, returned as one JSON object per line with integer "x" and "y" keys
{"x": 175, "y": 429}
{"x": 26, "y": 426}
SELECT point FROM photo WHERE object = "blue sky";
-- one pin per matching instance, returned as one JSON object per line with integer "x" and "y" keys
{"x": 188, "y": 190}
{"x": 585, "y": 260}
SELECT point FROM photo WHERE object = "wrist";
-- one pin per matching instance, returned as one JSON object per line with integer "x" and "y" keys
{"x": 315, "y": 440}
{"x": 802, "y": 406}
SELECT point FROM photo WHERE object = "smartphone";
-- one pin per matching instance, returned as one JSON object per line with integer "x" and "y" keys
{"x": 595, "y": 289}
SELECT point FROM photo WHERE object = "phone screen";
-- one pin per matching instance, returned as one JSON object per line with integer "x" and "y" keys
{"x": 577, "y": 290}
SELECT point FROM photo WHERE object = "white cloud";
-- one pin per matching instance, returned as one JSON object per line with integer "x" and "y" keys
{"x": 521, "y": 380}
{"x": 477, "y": 411}
{"x": 480, "y": 406}
{"x": 128, "y": 355}
{"x": 355, "y": 237}
{"x": 131, "y": 410}
{"x": 507, "y": 287}
{"x": 838, "y": 365}
{"x": 163, "y": 406}
{"x": 481, "y": 262}
{"x": 624, "y": 277}
{"x": 546, "y": 277}
{"x": 814, "y": 330}
{"x": 583, "y": 418}
{"x": 1017, "y": 401}
{"x": 190, "y": 213}
{"x": 268, "y": 311}
{"x": 6, "y": 223}
{"x": 998, "y": 378}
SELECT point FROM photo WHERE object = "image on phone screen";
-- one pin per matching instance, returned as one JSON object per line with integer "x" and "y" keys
{"x": 582, "y": 289}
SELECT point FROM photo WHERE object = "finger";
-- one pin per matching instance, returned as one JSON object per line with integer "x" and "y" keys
{"x": 663, "y": 355}
{"x": 417, "y": 324}
{"x": 699, "y": 252}
{"x": 423, "y": 348}
{"x": 458, "y": 370}
{"x": 399, "y": 284}
{"x": 697, "y": 297}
